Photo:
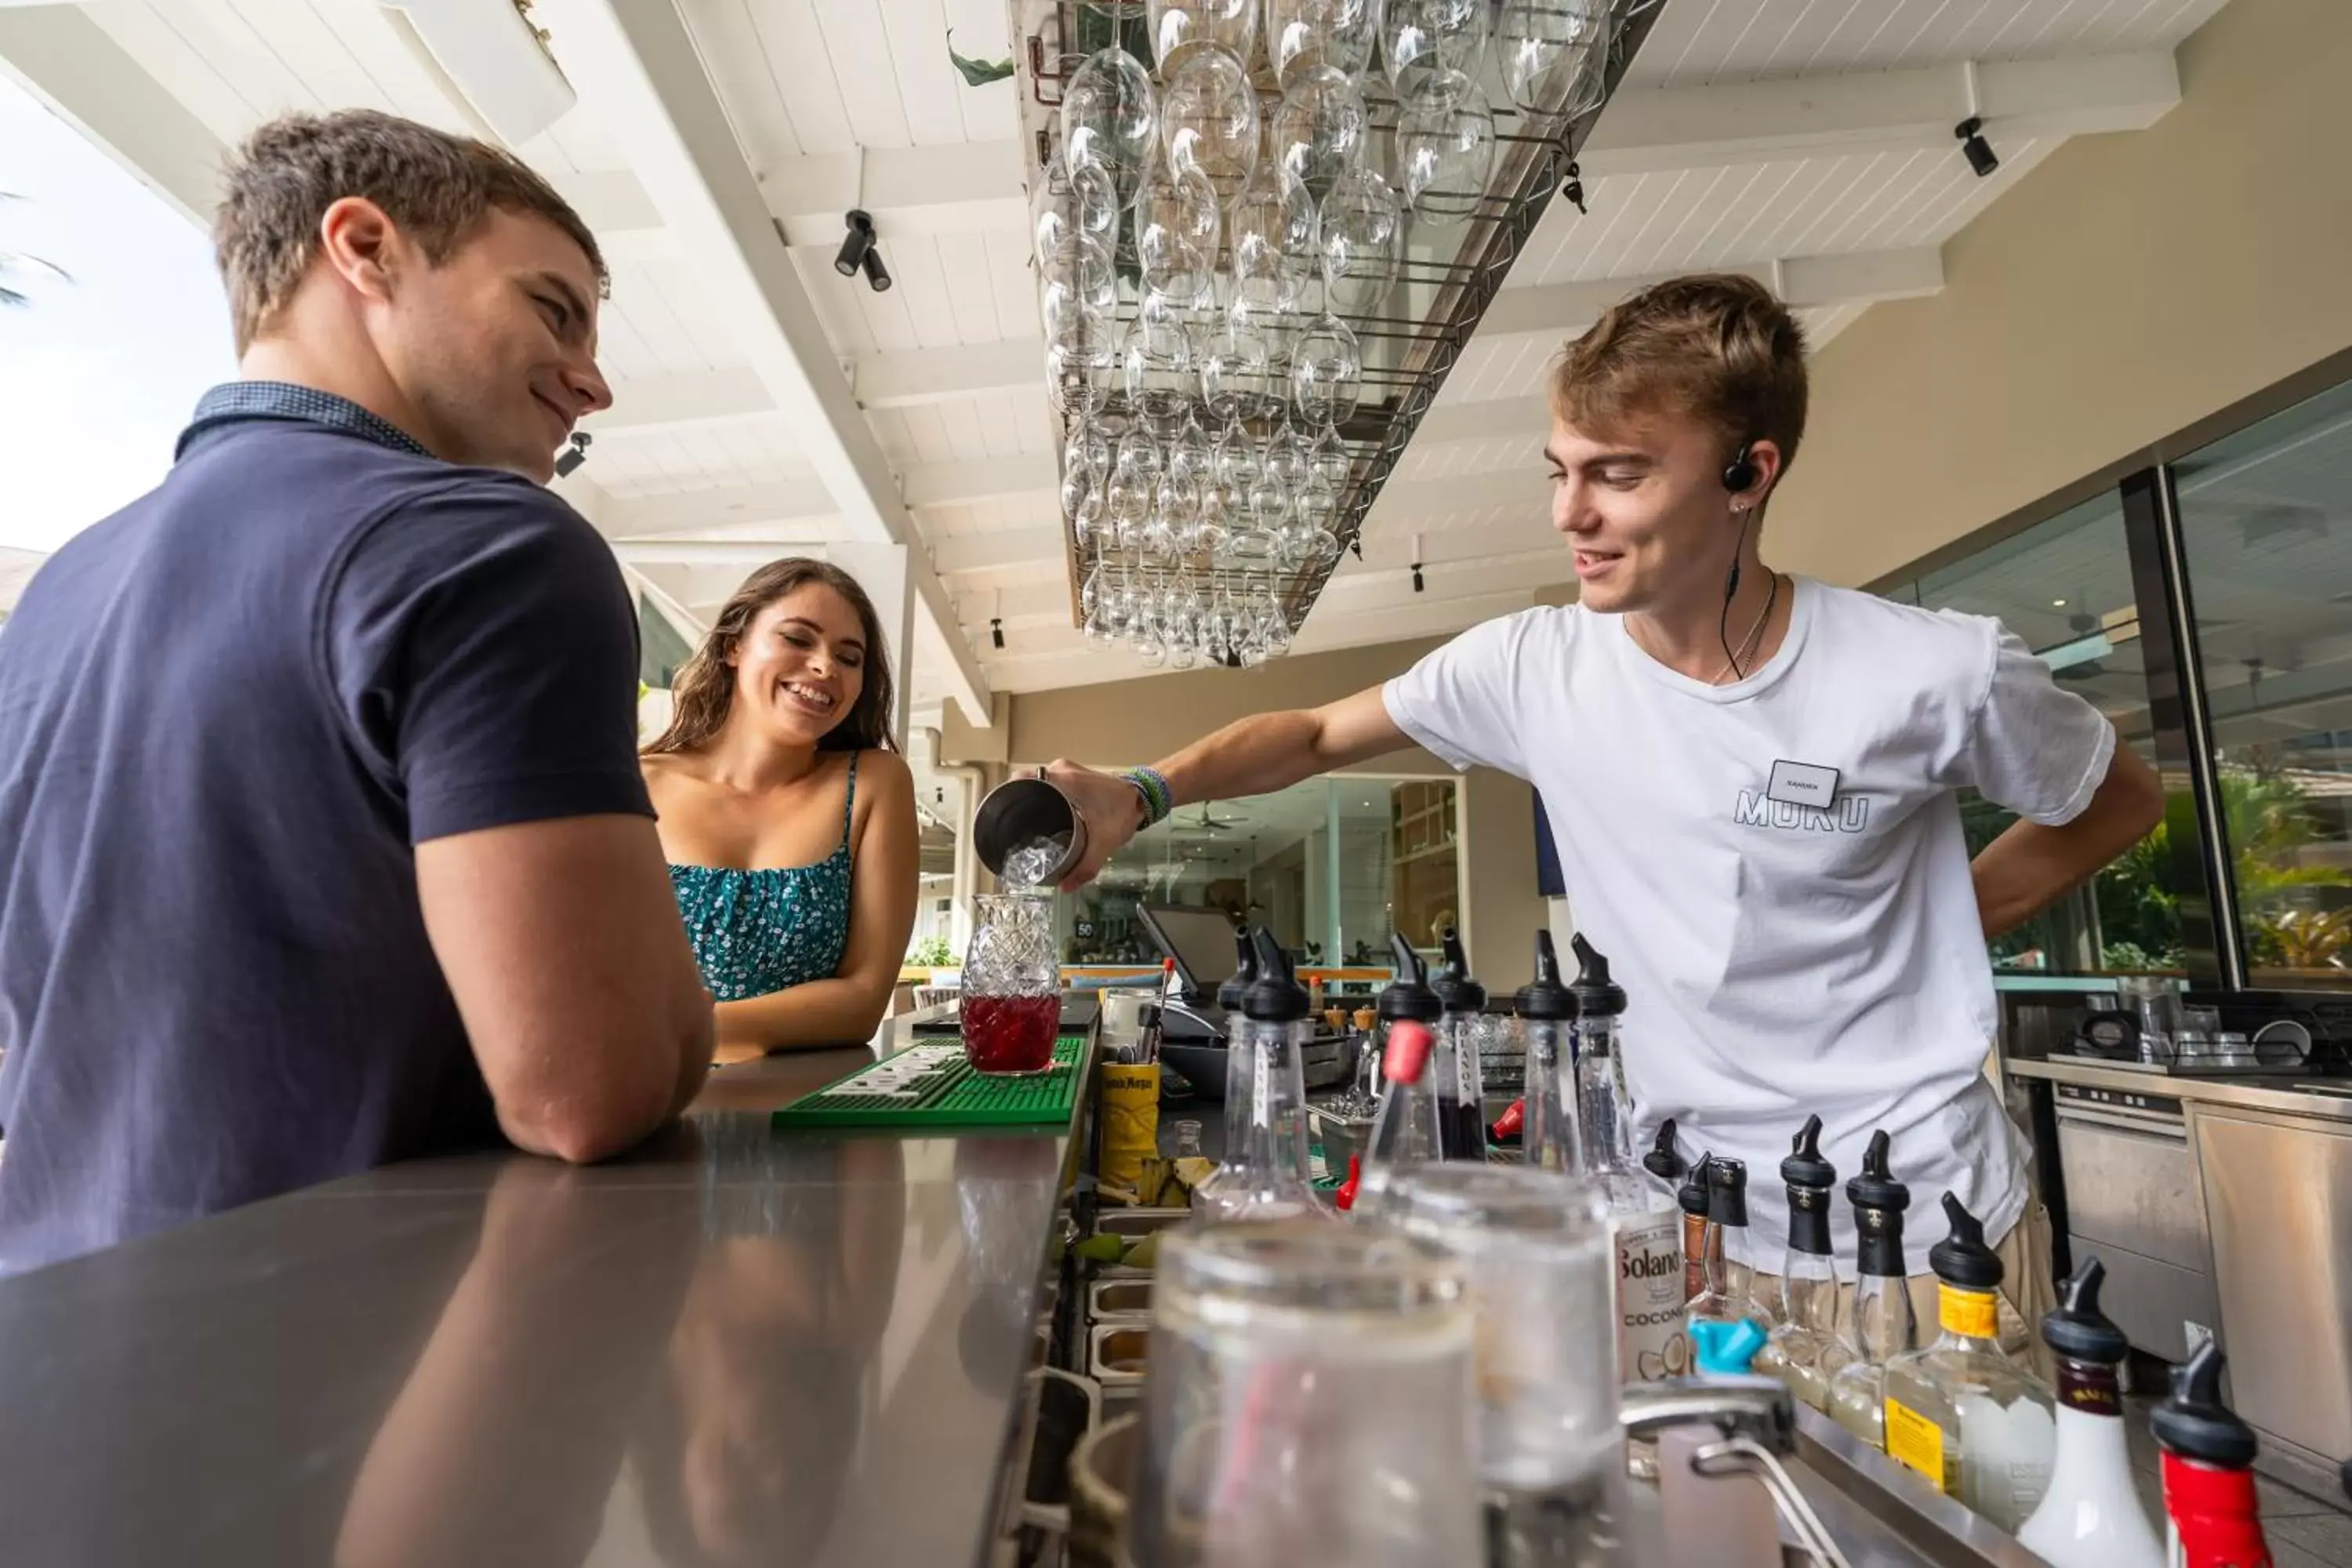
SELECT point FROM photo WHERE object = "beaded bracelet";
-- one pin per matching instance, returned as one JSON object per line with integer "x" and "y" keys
{"x": 1158, "y": 800}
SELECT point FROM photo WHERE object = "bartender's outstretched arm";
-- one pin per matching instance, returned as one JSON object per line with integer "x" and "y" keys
{"x": 1256, "y": 755}
{"x": 2031, "y": 867}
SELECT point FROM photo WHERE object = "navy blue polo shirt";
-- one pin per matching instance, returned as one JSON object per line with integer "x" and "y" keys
{"x": 229, "y": 714}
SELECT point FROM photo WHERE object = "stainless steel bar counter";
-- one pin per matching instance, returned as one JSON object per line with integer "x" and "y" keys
{"x": 728, "y": 1347}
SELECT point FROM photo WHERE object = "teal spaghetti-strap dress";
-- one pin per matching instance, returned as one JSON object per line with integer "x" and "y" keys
{"x": 759, "y": 932}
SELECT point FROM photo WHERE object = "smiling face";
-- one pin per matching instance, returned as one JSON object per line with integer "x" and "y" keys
{"x": 495, "y": 348}
{"x": 1642, "y": 504}
{"x": 801, "y": 664}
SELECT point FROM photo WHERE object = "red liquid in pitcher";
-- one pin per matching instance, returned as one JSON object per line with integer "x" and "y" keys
{"x": 1011, "y": 1034}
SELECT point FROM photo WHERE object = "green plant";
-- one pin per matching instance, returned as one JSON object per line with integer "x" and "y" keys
{"x": 932, "y": 953}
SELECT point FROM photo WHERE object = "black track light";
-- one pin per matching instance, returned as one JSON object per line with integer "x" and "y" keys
{"x": 996, "y": 631}
{"x": 856, "y": 246}
{"x": 1418, "y": 585}
{"x": 877, "y": 275}
{"x": 1981, "y": 155}
{"x": 567, "y": 462}
{"x": 1572, "y": 192}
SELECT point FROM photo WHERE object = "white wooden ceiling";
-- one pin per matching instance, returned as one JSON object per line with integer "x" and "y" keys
{"x": 1806, "y": 140}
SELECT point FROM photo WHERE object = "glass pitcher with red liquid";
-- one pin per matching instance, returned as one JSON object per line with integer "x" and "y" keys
{"x": 1010, "y": 1008}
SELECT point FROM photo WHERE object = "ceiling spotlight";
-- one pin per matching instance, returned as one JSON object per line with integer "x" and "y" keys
{"x": 1572, "y": 192}
{"x": 567, "y": 462}
{"x": 1417, "y": 584}
{"x": 2057, "y": 603}
{"x": 856, "y": 246}
{"x": 996, "y": 631}
{"x": 1981, "y": 157}
{"x": 877, "y": 275}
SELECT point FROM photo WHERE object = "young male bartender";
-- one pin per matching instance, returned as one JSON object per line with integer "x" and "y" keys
{"x": 1753, "y": 781}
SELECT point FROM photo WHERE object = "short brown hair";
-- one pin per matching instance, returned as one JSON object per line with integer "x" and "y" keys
{"x": 437, "y": 187}
{"x": 1716, "y": 345}
{"x": 702, "y": 692}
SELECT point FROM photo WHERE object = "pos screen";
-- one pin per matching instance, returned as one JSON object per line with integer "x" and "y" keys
{"x": 1201, "y": 940}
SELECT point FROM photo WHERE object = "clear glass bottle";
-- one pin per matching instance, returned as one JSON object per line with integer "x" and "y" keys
{"x": 1727, "y": 1293}
{"x": 1407, "y": 997}
{"x": 2091, "y": 1516}
{"x": 1273, "y": 1182}
{"x": 2212, "y": 1515}
{"x": 1692, "y": 1198}
{"x": 1238, "y": 1070}
{"x": 1599, "y": 1001}
{"x": 1547, "y": 1010}
{"x": 1882, "y": 1326}
{"x": 1461, "y": 1026}
{"x": 1809, "y": 1284}
{"x": 1404, "y": 1135}
{"x": 1960, "y": 1412}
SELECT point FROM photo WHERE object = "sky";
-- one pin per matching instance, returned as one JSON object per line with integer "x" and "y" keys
{"x": 98, "y": 376}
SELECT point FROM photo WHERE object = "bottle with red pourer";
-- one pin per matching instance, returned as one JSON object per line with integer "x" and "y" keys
{"x": 1405, "y": 1133}
{"x": 2208, "y": 1478}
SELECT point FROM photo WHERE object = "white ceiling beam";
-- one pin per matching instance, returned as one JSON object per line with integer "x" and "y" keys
{"x": 984, "y": 478}
{"x": 1646, "y": 129}
{"x": 688, "y": 397}
{"x": 1024, "y": 548}
{"x": 71, "y": 65}
{"x": 680, "y": 512}
{"x": 1801, "y": 282}
{"x": 636, "y": 70}
{"x": 964, "y": 187}
{"x": 937, "y": 375}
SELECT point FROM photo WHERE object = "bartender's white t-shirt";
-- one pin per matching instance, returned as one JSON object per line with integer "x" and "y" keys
{"x": 1781, "y": 959}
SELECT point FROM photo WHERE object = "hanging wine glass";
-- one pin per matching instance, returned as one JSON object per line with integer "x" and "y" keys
{"x": 1233, "y": 362}
{"x": 1241, "y": 478}
{"x": 1274, "y": 627}
{"x": 1176, "y": 225}
{"x": 1080, "y": 365}
{"x": 1326, "y": 373}
{"x": 1087, "y": 524}
{"x": 1183, "y": 617}
{"x": 1550, "y": 48}
{"x": 1099, "y": 630}
{"x": 1072, "y": 200}
{"x": 1320, "y": 128}
{"x": 1286, "y": 457}
{"x": 1420, "y": 36}
{"x": 1134, "y": 488}
{"x": 1272, "y": 227}
{"x": 1182, "y": 28}
{"x": 1191, "y": 463}
{"x": 1215, "y": 624}
{"x": 1359, "y": 224}
{"x": 1076, "y": 280}
{"x": 1090, "y": 593}
{"x": 1301, "y": 35}
{"x": 1330, "y": 460}
{"x": 1110, "y": 115}
{"x": 1158, "y": 372}
{"x": 1208, "y": 120}
{"x": 1445, "y": 147}
{"x": 1175, "y": 513}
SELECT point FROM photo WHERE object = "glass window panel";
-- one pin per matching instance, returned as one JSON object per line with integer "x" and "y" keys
{"x": 2065, "y": 586}
{"x": 2266, "y": 519}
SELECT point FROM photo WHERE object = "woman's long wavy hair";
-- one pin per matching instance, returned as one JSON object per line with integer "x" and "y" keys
{"x": 703, "y": 691}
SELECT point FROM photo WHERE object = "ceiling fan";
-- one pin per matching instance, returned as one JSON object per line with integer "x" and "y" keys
{"x": 1207, "y": 823}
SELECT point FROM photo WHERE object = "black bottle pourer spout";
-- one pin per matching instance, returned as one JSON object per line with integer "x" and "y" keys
{"x": 1236, "y": 984}
{"x": 1692, "y": 1193}
{"x": 1963, "y": 1260}
{"x": 2194, "y": 1424}
{"x": 1597, "y": 996}
{"x": 1811, "y": 1182}
{"x": 2075, "y": 1328}
{"x": 1726, "y": 1188}
{"x": 1663, "y": 1161}
{"x": 1409, "y": 995}
{"x": 1544, "y": 998}
{"x": 1456, "y": 991}
{"x": 1878, "y": 1201}
{"x": 1275, "y": 997}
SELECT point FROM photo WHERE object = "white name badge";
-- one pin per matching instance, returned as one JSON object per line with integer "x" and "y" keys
{"x": 1803, "y": 784}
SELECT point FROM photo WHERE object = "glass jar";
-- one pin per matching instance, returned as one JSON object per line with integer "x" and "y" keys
{"x": 1010, "y": 1008}
{"x": 1309, "y": 1400}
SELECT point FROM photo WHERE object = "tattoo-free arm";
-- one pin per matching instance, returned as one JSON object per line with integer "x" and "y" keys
{"x": 2031, "y": 867}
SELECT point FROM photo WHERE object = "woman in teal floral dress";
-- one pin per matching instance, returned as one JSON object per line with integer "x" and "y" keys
{"x": 788, "y": 823}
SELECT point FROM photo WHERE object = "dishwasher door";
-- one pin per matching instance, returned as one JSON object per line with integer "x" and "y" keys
{"x": 2132, "y": 1199}
{"x": 2279, "y": 1192}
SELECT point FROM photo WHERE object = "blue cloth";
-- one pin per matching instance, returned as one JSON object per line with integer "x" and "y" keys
{"x": 759, "y": 932}
{"x": 227, "y": 715}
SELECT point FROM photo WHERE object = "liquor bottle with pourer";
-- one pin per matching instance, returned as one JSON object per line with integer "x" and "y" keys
{"x": 1238, "y": 1068}
{"x": 1960, "y": 1412}
{"x": 2091, "y": 1516}
{"x": 2210, "y": 1502}
{"x": 1404, "y": 1133}
{"x": 1692, "y": 1198}
{"x": 1407, "y": 997}
{"x": 1461, "y": 1023}
{"x": 1881, "y": 1326}
{"x": 1809, "y": 1283}
{"x": 1273, "y": 1182}
{"x": 1599, "y": 1002}
{"x": 1547, "y": 1010}
{"x": 1729, "y": 1293}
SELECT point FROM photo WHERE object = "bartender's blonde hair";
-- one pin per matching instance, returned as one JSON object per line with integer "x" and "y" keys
{"x": 1716, "y": 345}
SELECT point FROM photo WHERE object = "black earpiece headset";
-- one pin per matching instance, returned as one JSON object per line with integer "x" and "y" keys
{"x": 1739, "y": 474}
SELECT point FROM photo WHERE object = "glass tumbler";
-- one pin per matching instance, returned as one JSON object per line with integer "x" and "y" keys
{"x": 1010, "y": 1008}
{"x": 1540, "y": 1264}
{"x": 1310, "y": 1400}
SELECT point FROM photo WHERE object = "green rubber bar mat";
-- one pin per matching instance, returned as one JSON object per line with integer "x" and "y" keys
{"x": 930, "y": 1084}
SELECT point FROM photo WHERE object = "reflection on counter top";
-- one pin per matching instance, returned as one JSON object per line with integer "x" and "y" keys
{"x": 2327, "y": 1098}
{"x": 727, "y": 1347}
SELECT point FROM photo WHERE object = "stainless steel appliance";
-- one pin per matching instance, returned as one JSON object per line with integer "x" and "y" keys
{"x": 2131, "y": 1196}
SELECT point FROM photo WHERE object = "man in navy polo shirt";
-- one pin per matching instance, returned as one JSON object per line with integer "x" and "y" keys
{"x": 323, "y": 841}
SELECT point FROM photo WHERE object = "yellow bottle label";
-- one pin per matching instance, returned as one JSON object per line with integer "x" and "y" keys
{"x": 1970, "y": 1313}
{"x": 1130, "y": 1112}
{"x": 1914, "y": 1442}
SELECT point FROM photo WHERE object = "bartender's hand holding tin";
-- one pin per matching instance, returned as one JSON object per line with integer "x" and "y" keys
{"x": 1114, "y": 809}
